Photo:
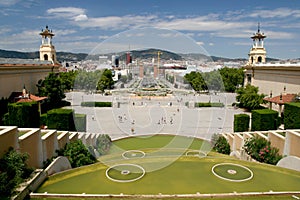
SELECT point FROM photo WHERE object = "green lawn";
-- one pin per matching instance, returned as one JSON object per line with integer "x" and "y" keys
{"x": 169, "y": 173}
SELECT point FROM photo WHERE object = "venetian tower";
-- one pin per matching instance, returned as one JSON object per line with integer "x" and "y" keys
{"x": 257, "y": 52}
{"x": 47, "y": 50}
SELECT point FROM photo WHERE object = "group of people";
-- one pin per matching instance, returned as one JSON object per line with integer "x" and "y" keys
{"x": 163, "y": 120}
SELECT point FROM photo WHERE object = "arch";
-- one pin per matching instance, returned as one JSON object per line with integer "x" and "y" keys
{"x": 251, "y": 59}
{"x": 45, "y": 57}
{"x": 259, "y": 59}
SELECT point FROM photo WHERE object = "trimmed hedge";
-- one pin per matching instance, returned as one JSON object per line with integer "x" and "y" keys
{"x": 23, "y": 115}
{"x": 96, "y": 104}
{"x": 208, "y": 104}
{"x": 291, "y": 115}
{"x": 61, "y": 119}
{"x": 64, "y": 119}
{"x": 241, "y": 122}
{"x": 80, "y": 122}
{"x": 43, "y": 119}
{"x": 265, "y": 119}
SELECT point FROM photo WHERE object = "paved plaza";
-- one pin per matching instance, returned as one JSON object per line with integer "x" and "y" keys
{"x": 135, "y": 115}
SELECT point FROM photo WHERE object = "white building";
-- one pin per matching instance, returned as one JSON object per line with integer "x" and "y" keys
{"x": 273, "y": 78}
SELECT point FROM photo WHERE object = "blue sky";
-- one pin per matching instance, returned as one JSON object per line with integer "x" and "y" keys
{"x": 221, "y": 27}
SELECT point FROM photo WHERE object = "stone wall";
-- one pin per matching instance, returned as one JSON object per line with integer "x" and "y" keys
{"x": 8, "y": 138}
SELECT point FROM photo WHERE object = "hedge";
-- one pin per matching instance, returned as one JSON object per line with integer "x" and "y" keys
{"x": 208, "y": 104}
{"x": 80, "y": 122}
{"x": 241, "y": 122}
{"x": 265, "y": 119}
{"x": 43, "y": 119}
{"x": 61, "y": 119}
{"x": 291, "y": 115}
{"x": 64, "y": 119}
{"x": 96, "y": 104}
{"x": 23, "y": 115}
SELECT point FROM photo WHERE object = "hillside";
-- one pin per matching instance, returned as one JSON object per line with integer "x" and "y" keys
{"x": 61, "y": 56}
{"x": 140, "y": 54}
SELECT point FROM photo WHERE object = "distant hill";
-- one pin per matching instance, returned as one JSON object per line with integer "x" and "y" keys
{"x": 61, "y": 56}
{"x": 153, "y": 53}
{"x": 17, "y": 54}
{"x": 141, "y": 54}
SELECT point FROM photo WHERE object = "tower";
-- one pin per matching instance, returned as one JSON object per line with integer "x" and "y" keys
{"x": 47, "y": 50}
{"x": 257, "y": 53}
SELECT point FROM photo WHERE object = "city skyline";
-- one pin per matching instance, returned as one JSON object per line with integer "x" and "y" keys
{"x": 222, "y": 28}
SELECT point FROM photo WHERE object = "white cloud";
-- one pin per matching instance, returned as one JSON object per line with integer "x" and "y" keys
{"x": 200, "y": 24}
{"x": 4, "y": 30}
{"x": 71, "y": 13}
{"x": 64, "y": 32}
{"x": 66, "y": 11}
{"x": 8, "y": 2}
{"x": 81, "y": 17}
{"x": 276, "y": 13}
{"x": 280, "y": 35}
{"x": 200, "y": 43}
{"x": 117, "y": 22}
{"x": 29, "y": 39}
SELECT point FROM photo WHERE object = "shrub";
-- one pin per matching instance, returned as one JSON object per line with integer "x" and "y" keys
{"x": 265, "y": 119}
{"x": 209, "y": 104}
{"x": 13, "y": 170}
{"x": 103, "y": 144}
{"x": 78, "y": 154}
{"x": 291, "y": 116}
{"x": 24, "y": 114}
{"x": 61, "y": 119}
{"x": 96, "y": 104}
{"x": 220, "y": 144}
{"x": 261, "y": 150}
{"x": 241, "y": 122}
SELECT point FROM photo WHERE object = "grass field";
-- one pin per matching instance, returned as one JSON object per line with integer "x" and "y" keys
{"x": 169, "y": 172}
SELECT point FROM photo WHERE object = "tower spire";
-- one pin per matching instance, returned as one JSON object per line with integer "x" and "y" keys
{"x": 258, "y": 52}
{"x": 47, "y": 50}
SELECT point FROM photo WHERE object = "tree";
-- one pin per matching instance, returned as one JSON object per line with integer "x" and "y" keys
{"x": 52, "y": 87}
{"x": 195, "y": 79}
{"x": 87, "y": 80}
{"x": 232, "y": 78}
{"x": 106, "y": 81}
{"x": 220, "y": 144}
{"x": 13, "y": 170}
{"x": 213, "y": 80}
{"x": 68, "y": 79}
{"x": 249, "y": 98}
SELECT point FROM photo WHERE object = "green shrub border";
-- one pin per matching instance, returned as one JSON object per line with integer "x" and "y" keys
{"x": 291, "y": 115}
{"x": 264, "y": 119}
{"x": 241, "y": 122}
{"x": 96, "y": 104}
{"x": 209, "y": 104}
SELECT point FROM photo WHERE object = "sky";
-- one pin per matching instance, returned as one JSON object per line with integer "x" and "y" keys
{"x": 219, "y": 27}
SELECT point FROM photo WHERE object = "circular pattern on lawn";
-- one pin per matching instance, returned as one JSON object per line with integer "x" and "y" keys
{"x": 196, "y": 153}
{"x": 232, "y": 172}
{"x": 133, "y": 154}
{"x": 124, "y": 173}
